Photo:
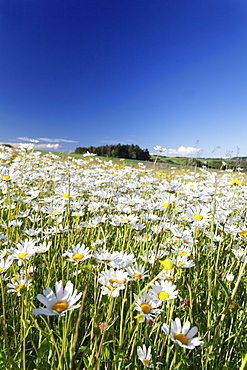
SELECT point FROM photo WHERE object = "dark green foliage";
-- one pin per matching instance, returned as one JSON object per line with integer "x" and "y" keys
{"x": 118, "y": 151}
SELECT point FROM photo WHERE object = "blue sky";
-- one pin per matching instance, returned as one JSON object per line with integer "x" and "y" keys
{"x": 148, "y": 72}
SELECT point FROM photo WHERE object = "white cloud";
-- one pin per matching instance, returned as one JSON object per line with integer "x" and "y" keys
{"x": 36, "y": 146}
{"x": 181, "y": 151}
{"x": 48, "y": 140}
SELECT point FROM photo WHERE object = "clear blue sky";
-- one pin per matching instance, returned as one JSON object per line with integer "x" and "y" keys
{"x": 148, "y": 72}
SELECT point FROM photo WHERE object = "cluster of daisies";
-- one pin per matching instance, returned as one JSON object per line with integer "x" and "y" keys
{"x": 43, "y": 197}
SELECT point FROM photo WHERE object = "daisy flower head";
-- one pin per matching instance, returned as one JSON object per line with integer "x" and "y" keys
{"x": 24, "y": 251}
{"x": 137, "y": 272}
{"x": 5, "y": 264}
{"x": 229, "y": 278}
{"x": 164, "y": 291}
{"x": 145, "y": 356}
{"x": 113, "y": 281}
{"x": 147, "y": 306}
{"x": 19, "y": 285}
{"x": 78, "y": 253}
{"x": 184, "y": 337}
{"x": 183, "y": 262}
{"x": 59, "y": 303}
{"x": 200, "y": 216}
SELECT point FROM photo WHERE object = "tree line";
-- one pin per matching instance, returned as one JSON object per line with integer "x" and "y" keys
{"x": 117, "y": 151}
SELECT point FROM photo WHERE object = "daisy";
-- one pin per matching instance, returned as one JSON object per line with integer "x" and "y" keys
{"x": 163, "y": 291}
{"x": 183, "y": 337}
{"x": 112, "y": 282}
{"x": 24, "y": 251}
{"x": 183, "y": 262}
{"x": 145, "y": 356}
{"x": 147, "y": 306}
{"x": 18, "y": 285}
{"x": 137, "y": 272}
{"x": 59, "y": 303}
{"x": 5, "y": 264}
{"x": 121, "y": 260}
{"x": 79, "y": 253}
{"x": 230, "y": 278}
{"x": 200, "y": 216}
{"x": 43, "y": 247}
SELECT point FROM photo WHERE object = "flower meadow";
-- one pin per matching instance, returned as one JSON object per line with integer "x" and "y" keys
{"x": 107, "y": 266}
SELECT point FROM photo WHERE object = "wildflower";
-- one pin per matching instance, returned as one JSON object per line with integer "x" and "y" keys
{"x": 59, "y": 303}
{"x": 102, "y": 326}
{"x": 113, "y": 281}
{"x": 229, "y": 278}
{"x": 186, "y": 302}
{"x": 137, "y": 272}
{"x": 43, "y": 247}
{"x": 24, "y": 251}
{"x": 183, "y": 337}
{"x": 5, "y": 264}
{"x": 121, "y": 260}
{"x": 164, "y": 291}
{"x": 200, "y": 216}
{"x": 147, "y": 306}
{"x": 79, "y": 253}
{"x": 144, "y": 354}
{"x": 19, "y": 285}
{"x": 183, "y": 262}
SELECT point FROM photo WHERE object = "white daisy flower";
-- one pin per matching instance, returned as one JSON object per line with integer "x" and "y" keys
{"x": 147, "y": 306}
{"x": 59, "y": 303}
{"x": 144, "y": 354}
{"x": 184, "y": 336}
{"x": 164, "y": 291}
{"x": 18, "y": 285}
{"x": 137, "y": 272}
{"x": 113, "y": 281}
{"x": 79, "y": 253}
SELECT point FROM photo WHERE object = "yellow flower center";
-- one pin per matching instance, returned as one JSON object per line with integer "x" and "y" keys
{"x": 54, "y": 213}
{"x": 111, "y": 288}
{"x": 181, "y": 263}
{"x": 243, "y": 233}
{"x": 146, "y": 362}
{"x": 5, "y": 177}
{"x": 18, "y": 287}
{"x": 198, "y": 217}
{"x": 182, "y": 338}
{"x": 22, "y": 255}
{"x": 146, "y": 308}
{"x": 165, "y": 205}
{"x": 65, "y": 195}
{"x": 125, "y": 219}
{"x": 182, "y": 253}
{"x": 166, "y": 263}
{"x": 235, "y": 182}
{"x": 89, "y": 227}
{"x": 60, "y": 306}
{"x": 114, "y": 281}
{"x": 137, "y": 276}
{"x": 77, "y": 257}
{"x": 1, "y": 269}
{"x": 163, "y": 295}
{"x": 93, "y": 208}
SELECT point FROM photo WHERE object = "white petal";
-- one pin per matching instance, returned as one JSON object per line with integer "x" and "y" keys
{"x": 186, "y": 327}
{"x": 192, "y": 332}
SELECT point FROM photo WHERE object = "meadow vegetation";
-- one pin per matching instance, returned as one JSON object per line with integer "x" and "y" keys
{"x": 105, "y": 265}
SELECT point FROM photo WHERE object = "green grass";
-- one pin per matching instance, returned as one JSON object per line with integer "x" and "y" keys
{"x": 94, "y": 205}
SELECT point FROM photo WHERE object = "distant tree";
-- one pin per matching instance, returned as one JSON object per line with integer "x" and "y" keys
{"x": 119, "y": 151}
